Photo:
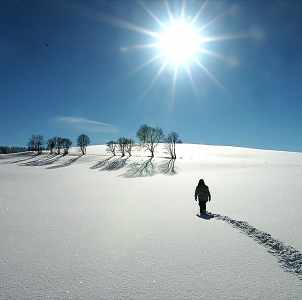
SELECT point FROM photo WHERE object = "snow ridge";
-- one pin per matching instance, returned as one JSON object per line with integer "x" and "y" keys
{"x": 289, "y": 258}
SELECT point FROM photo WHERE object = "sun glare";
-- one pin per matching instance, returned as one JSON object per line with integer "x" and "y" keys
{"x": 179, "y": 43}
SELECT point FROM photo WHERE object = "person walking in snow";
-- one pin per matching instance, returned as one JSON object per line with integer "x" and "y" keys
{"x": 203, "y": 194}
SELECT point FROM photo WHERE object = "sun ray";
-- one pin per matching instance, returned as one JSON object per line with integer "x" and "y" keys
{"x": 169, "y": 12}
{"x": 154, "y": 79}
{"x": 126, "y": 25}
{"x": 154, "y": 17}
{"x": 209, "y": 74}
{"x": 183, "y": 9}
{"x": 147, "y": 63}
{"x": 210, "y": 39}
{"x": 189, "y": 73}
{"x": 203, "y": 27}
{"x": 175, "y": 73}
{"x": 140, "y": 46}
{"x": 196, "y": 17}
{"x": 216, "y": 55}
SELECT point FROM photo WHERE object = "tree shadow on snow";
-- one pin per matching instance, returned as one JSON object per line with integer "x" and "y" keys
{"x": 115, "y": 164}
{"x": 101, "y": 163}
{"x": 168, "y": 167}
{"x": 28, "y": 156}
{"x": 43, "y": 160}
{"x": 288, "y": 257}
{"x": 10, "y": 155}
{"x": 140, "y": 169}
{"x": 66, "y": 163}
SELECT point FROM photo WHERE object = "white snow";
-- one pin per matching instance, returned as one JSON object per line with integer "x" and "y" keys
{"x": 89, "y": 227}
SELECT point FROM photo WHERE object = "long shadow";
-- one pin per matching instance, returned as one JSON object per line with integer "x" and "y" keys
{"x": 66, "y": 163}
{"x": 115, "y": 164}
{"x": 42, "y": 161}
{"x": 25, "y": 159}
{"x": 288, "y": 257}
{"x": 28, "y": 157}
{"x": 168, "y": 167}
{"x": 13, "y": 155}
{"x": 140, "y": 169}
{"x": 101, "y": 163}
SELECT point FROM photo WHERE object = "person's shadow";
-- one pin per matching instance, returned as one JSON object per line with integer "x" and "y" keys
{"x": 205, "y": 216}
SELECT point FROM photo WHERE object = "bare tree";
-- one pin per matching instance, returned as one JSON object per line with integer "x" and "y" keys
{"x": 66, "y": 143}
{"x": 39, "y": 143}
{"x": 83, "y": 142}
{"x": 129, "y": 145}
{"x": 122, "y": 144}
{"x": 36, "y": 143}
{"x": 31, "y": 144}
{"x": 171, "y": 141}
{"x": 150, "y": 137}
{"x": 59, "y": 143}
{"x": 51, "y": 144}
{"x": 142, "y": 133}
{"x": 111, "y": 147}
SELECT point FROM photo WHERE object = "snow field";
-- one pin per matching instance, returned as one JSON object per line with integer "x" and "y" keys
{"x": 72, "y": 228}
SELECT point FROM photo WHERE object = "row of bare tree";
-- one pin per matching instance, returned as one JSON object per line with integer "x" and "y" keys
{"x": 57, "y": 143}
{"x": 12, "y": 149}
{"x": 149, "y": 138}
{"x": 123, "y": 144}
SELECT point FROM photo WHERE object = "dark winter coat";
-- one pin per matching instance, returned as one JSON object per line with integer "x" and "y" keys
{"x": 203, "y": 193}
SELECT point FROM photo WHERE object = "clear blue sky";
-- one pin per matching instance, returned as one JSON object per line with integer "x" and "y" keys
{"x": 64, "y": 71}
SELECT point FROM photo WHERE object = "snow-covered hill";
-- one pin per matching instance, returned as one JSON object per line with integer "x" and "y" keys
{"x": 101, "y": 227}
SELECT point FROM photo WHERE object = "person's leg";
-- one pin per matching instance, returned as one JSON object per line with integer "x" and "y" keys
{"x": 202, "y": 207}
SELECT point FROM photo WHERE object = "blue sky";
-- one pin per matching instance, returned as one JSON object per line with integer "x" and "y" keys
{"x": 65, "y": 70}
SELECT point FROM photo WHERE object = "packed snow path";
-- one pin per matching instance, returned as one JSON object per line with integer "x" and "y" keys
{"x": 289, "y": 258}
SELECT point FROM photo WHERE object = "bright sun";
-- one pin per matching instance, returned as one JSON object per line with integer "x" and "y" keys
{"x": 179, "y": 43}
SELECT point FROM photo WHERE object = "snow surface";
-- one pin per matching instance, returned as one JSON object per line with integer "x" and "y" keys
{"x": 90, "y": 227}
